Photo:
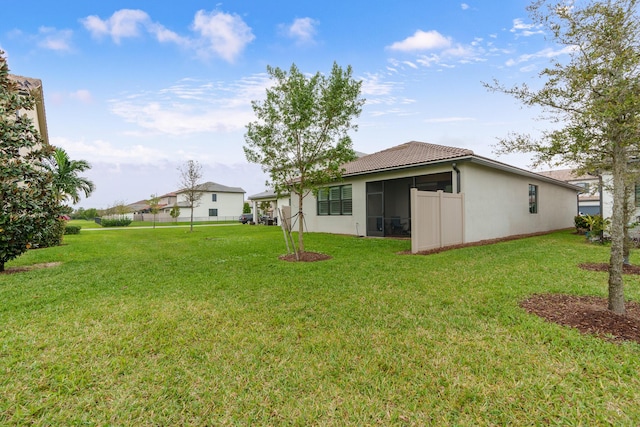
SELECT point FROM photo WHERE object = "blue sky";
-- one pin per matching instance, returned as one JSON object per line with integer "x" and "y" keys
{"x": 139, "y": 87}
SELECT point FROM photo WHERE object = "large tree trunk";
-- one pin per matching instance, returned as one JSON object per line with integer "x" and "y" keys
{"x": 300, "y": 224}
{"x": 616, "y": 285}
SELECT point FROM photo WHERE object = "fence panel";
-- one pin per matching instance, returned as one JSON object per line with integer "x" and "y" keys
{"x": 437, "y": 220}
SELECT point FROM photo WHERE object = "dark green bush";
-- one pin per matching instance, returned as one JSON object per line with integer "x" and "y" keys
{"x": 581, "y": 222}
{"x": 72, "y": 229}
{"x": 51, "y": 236}
{"x": 119, "y": 222}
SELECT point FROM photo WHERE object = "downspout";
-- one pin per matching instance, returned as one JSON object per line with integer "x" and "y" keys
{"x": 455, "y": 168}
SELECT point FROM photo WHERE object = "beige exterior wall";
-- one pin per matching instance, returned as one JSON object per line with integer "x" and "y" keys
{"x": 356, "y": 223}
{"x": 496, "y": 203}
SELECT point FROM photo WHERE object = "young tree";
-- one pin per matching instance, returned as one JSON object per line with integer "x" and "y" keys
{"x": 28, "y": 207}
{"x": 246, "y": 207}
{"x": 118, "y": 208}
{"x": 66, "y": 181}
{"x": 154, "y": 207}
{"x": 301, "y": 135}
{"x": 90, "y": 214}
{"x": 595, "y": 100}
{"x": 175, "y": 212}
{"x": 190, "y": 176}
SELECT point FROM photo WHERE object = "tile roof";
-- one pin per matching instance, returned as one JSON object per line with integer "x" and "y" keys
{"x": 26, "y": 83}
{"x": 404, "y": 155}
{"x": 567, "y": 175}
{"x": 215, "y": 187}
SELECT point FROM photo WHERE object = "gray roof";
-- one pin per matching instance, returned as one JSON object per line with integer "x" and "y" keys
{"x": 401, "y": 156}
{"x": 269, "y": 194}
{"x": 568, "y": 175}
{"x": 414, "y": 153}
{"x": 216, "y": 188}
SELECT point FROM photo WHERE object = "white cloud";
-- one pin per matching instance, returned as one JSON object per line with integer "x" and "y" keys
{"x": 58, "y": 40}
{"x": 444, "y": 52}
{"x": 104, "y": 151}
{"x": 303, "y": 30}
{"x": 545, "y": 53}
{"x": 124, "y": 23}
{"x": 525, "y": 30}
{"x": 222, "y": 34}
{"x": 449, "y": 120}
{"x": 82, "y": 95}
{"x": 422, "y": 40}
{"x": 191, "y": 107}
{"x": 216, "y": 33}
{"x": 464, "y": 6}
{"x": 373, "y": 85}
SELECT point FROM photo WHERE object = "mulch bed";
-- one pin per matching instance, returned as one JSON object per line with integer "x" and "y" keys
{"x": 588, "y": 314}
{"x": 626, "y": 269}
{"x": 13, "y": 270}
{"x": 305, "y": 257}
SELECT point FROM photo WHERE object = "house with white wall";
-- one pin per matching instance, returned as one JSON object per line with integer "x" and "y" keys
{"x": 271, "y": 203}
{"x": 217, "y": 203}
{"x": 37, "y": 114}
{"x": 590, "y": 197}
{"x": 498, "y": 200}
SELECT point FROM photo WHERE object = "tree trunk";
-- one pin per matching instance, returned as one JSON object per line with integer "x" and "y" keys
{"x": 300, "y": 224}
{"x": 616, "y": 285}
{"x": 1, "y": 266}
{"x": 191, "y": 223}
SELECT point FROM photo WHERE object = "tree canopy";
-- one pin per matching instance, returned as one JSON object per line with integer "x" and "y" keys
{"x": 301, "y": 135}
{"x": 65, "y": 176}
{"x": 594, "y": 101}
{"x": 28, "y": 206}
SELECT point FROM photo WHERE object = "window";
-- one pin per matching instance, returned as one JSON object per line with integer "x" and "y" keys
{"x": 213, "y": 212}
{"x": 335, "y": 200}
{"x": 584, "y": 185}
{"x": 533, "y": 198}
{"x": 214, "y": 198}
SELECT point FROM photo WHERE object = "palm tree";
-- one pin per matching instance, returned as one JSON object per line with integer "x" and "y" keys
{"x": 66, "y": 181}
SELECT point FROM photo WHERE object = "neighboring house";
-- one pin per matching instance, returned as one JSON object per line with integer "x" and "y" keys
{"x": 495, "y": 199}
{"x": 607, "y": 198}
{"x": 218, "y": 202}
{"x": 165, "y": 202}
{"x": 589, "y": 199}
{"x": 37, "y": 114}
{"x": 274, "y": 203}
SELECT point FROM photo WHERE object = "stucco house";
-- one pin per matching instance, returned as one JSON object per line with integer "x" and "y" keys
{"x": 589, "y": 200}
{"x": 492, "y": 199}
{"x": 272, "y": 202}
{"x": 218, "y": 202}
{"x": 37, "y": 114}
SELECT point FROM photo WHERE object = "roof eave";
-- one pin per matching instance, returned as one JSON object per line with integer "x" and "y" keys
{"x": 473, "y": 159}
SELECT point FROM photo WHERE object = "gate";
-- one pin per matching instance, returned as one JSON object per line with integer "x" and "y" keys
{"x": 437, "y": 220}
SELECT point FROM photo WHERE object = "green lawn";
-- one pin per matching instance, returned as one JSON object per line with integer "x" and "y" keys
{"x": 166, "y": 327}
{"x": 92, "y": 224}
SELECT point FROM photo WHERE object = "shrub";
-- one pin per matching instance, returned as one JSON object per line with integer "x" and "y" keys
{"x": 581, "y": 222}
{"x": 597, "y": 227}
{"x": 50, "y": 236}
{"x": 72, "y": 229}
{"x": 119, "y": 222}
